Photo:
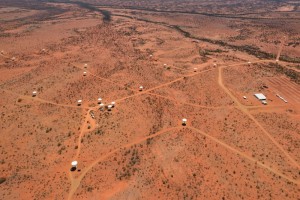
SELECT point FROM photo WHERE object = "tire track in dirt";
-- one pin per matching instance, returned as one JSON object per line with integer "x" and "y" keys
{"x": 18, "y": 76}
{"x": 44, "y": 101}
{"x": 262, "y": 165}
{"x": 76, "y": 181}
{"x": 266, "y": 107}
{"x": 281, "y": 47}
{"x": 245, "y": 111}
{"x": 106, "y": 79}
{"x": 84, "y": 130}
{"x": 162, "y": 85}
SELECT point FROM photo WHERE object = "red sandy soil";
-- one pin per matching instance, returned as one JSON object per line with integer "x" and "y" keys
{"x": 231, "y": 147}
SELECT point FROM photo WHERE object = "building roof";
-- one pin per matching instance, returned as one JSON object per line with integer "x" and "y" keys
{"x": 260, "y": 96}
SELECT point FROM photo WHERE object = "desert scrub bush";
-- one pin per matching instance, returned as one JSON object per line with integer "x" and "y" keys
{"x": 2, "y": 180}
{"x": 48, "y": 130}
{"x": 99, "y": 132}
{"x": 129, "y": 169}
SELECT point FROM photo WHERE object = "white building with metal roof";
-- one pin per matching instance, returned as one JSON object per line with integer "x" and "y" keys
{"x": 260, "y": 96}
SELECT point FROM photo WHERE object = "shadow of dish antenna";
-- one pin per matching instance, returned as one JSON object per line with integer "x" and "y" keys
{"x": 74, "y": 166}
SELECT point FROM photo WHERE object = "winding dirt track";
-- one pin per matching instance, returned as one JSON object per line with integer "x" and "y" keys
{"x": 75, "y": 182}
